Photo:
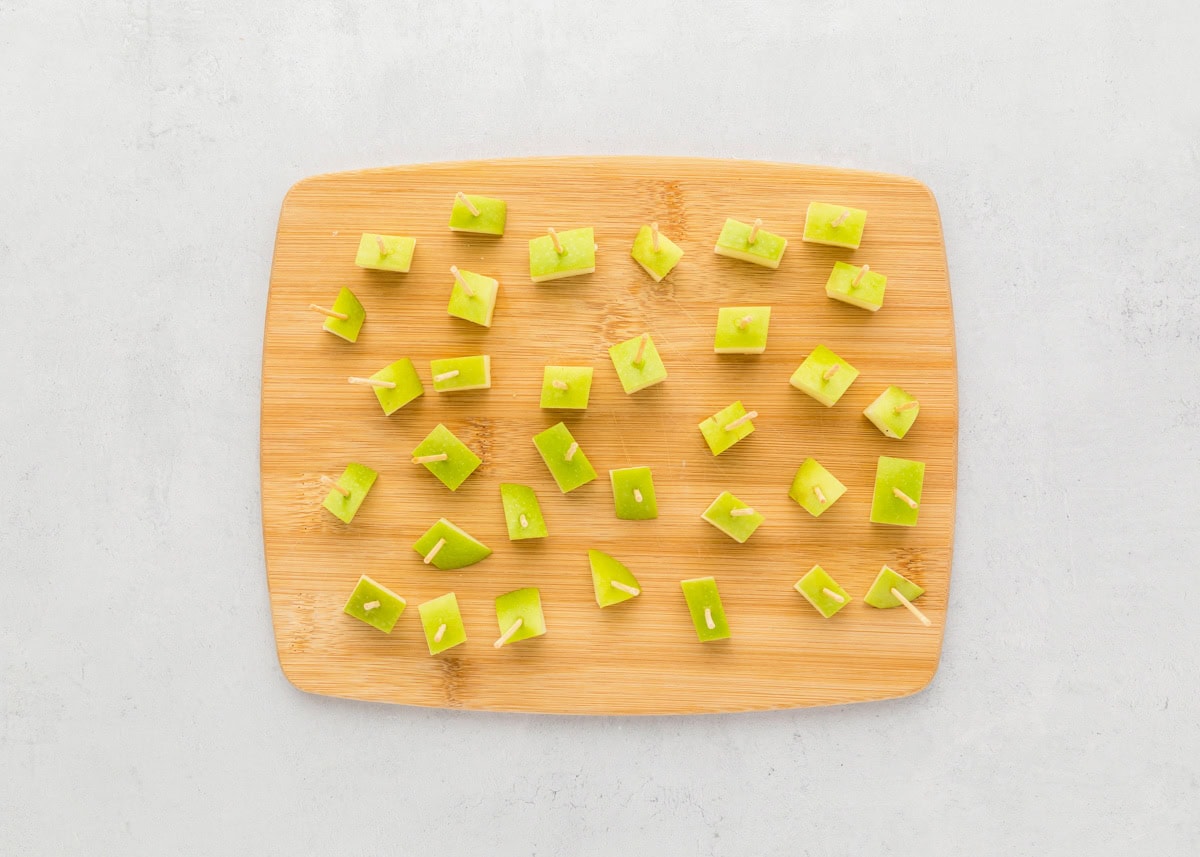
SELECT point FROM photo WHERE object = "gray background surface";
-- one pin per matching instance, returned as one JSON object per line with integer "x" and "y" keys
{"x": 144, "y": 151}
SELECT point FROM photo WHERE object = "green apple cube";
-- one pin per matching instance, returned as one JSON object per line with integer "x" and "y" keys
{"x": 612, "y": 581}
{"x": 522, "y": 512}
{"x": 880, "y": 594}
{"x": 732, "y": 517}
{"x": 443, "y": 624}
{"x": 835, "y": 225}
{"x": 446, "y": 457}
{"x": 398, "y": 385}
{"x": 637, "y": 363}
{"x": 487, "y": 218}
{"x": 815, "y": 488}
{"x": 519, "y": 614}
{"x": 447, "y": 547}
{"x": 458, "y": 374}
{"x": 578, "y": 255}
{"x": 633, "y": 493}
{"x": 568, "y": 465}
{"x": 742, "y": 329}
{"x": 385, "y": 252}
{"x": 704, "y": 603}
{"x": 478, "y": 305}
{"x": 346, "y": 305}
{"x": 860, "y": 287}
{"x": 727, "y": 426}
{"x": 375, "y": 604}
{"x": 824, "y": 376}
{"x": 894, "y": 412}
{"x": 750, "y": 243}
{"x": 357, "y": 479}
{"x": 657, "y": 263}
{"x": 897, "y": 497}
{"x": 566, "y": 387}
{"x": 822, "y": 591}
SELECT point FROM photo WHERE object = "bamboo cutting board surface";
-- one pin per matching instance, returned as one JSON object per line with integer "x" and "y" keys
{"x": 640, "y": 657}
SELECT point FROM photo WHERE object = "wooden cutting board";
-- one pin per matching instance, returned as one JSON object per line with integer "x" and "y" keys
{"x": 641, "y": 657}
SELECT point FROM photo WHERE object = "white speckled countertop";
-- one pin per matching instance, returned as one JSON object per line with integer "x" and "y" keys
{"x": 145, "y": 148}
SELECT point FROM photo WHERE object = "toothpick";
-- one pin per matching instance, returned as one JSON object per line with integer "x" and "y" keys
{"x": 861, "y": 272}
{"x": 524, "y": 521}
{"x": 831, "y": 371}
{"x": 907, "y": 406}
{"x": 820, "y": 494}
{"x": 441, "y": 543}
{"x": 332, "y": 483}
{"x": 441, "y": 632}
{"x": 908, "y": 501}
{"x": 624, "y": 587}
{"x": 559, "y": 384}
{"x": 640, "y": 357}
{"x": 332, "y": 313}
{"x": 834, "y": 595}
{"x": 370, "y": 605}
{"x": 383, "y": 248}
{"x": 899, "y": 596}
{"x": 571, "y": 450}
{"x": 462, "y": 281}
{"x": 744, "y": 321}
{"x": 429, "y": 459}
{"x": 637, "y": 495}
{"x": 654, "y": 236}
{"x": 558, "y": 247}
{"x": 372, "y": 382}
{"x": 445, "y": 376}
{"x": 744, "y": 418}
{"x": 708, "y": 619}
{"x": 462, "y": 197}
{"x": 741, "y": 513}
{"x": 840, "y": 219}
{"x": 754, "y": 230}
{"x": 508, "y": 635}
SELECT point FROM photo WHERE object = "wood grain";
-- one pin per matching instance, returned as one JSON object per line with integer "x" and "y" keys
{"x": 641, "y": 657}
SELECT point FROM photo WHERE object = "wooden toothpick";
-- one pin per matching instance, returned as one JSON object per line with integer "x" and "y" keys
{"x": 441, "y": 543}
{"x": 524, "y": 521}
{"x": 840, "y": 219}
{"x": 831, "y": 371}
{"x": 899, "y": 596}
{"x": 754, "y": 230}
{"x": 332, "y": 483}
{"x": 462, "y": 281}
{"x": 429, "y": 459}
{"x": 559, "y": 384}
{"x": 571, "y": 450}
{"x": 383, "y": 248}
{"x": 744, "y": 418}
{"x": 834, "y": 595}
{"x": 861, "y": 272}
{"x": 637, "y": 495}
{"x": 446, "y": 376}
{"x": 654, "y": 236}
{"x": 744, "y": 321}
{"x": 508, "y": 635}
{"x": 558, "y": 247}
{"x": 820, "y": 494}
{"x": 332, "y": 313}
{"x": 904, "y": 498}
{"x": 907, "y": 406}
{"x": 624, "y": 587}
{"x": 370, "y": 605}
{"x": 741, "y": 513}
{"x": 640, "y": 357}
{"x": 372, "y": 382}
{"x": 441, "y": 632}
{"x": 708, "y": 619}
{"x": 462, "y": 197}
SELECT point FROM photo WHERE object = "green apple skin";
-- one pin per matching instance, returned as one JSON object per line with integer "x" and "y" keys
{"x": 398, "y": 259}
{"x": 751, "y": 339}
{"x": 606, "y": 569}
{"x": 867, "y": 294}
{"x": 734, "y": 242}
{"x": 408, "y": 387}
{"x": 460, "y": 463}
{"x": 812, "y": 474}
{"x": 812, "y": 587}
{"x": 624, "y": 481}
{"x": 350, "y": 327}
{"x": 526, "y": 605}
{"x": 908, "y": 476}
{"x": 478, "y": 308}
{"x": 474, "y": 373}
{"x": 357, "y": 479}
{"x": 656, "y": 263}
{"x": 460, "y": 550}
{"x": 578, "y": 256}
{"x": 382, "y": 617}
{"x": 810, "y": 378}
{"x": 715, "y": 434}
{"x": 701, "y": 592}
{"x": 880, "y": 593}
{"x": 635, "y": 378}
{"x": 819, "y": 228}
{"x": 521, "y": 500}
{"x": 737, "y": 527}
{"x": 439, "y": 611}
{"x": 883, "y": 414}
{"x": 491, "y": 219}
{"x": 553, "y": 444}
{"x": 579, "y": 386}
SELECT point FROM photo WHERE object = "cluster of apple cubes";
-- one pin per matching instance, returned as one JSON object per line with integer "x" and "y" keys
{"x": 740, "y": 330}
